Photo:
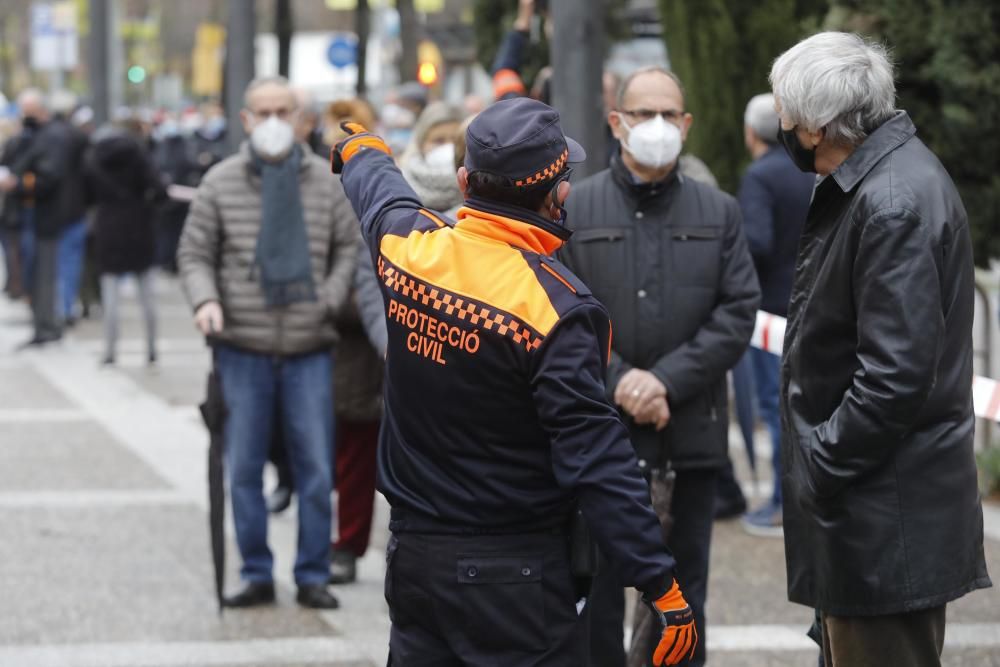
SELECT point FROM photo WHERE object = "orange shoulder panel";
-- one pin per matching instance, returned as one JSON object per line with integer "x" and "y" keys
{"x": 492, "y": 273}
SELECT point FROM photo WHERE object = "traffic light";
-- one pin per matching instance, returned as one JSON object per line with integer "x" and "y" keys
{"x": 429, "y": 57}
{"x": 427, "y": 74}
{"x": 136, "y": 74}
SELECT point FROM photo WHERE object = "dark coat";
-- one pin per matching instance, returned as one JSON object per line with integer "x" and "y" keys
{"x": 40, "y": 164}
{"x": 124, "y": 188}
{"x": 74, "y": 196}
{"x": 881, "y": 507}
{"x": 359, "y": 356}
{"x": 774, "y": 198}
{"x": 670, "y": 263}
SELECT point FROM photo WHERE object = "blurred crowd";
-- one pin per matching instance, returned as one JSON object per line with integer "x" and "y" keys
{"x": 85, "y": 207}
{"x": 268, "y": 251}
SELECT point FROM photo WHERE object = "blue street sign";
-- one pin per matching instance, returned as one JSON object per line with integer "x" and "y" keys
{"x": 343, "y": 51}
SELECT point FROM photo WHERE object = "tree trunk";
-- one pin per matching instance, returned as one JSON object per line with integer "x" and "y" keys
{"x": 239, "y": 68}
{"x": 577, "y": 75}
{"x": 283, "y": 28}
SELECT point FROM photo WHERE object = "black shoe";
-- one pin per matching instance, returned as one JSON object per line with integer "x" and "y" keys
{"x": 315, "y": 596}
{"x": 343, "y": 567}
{"x": 279, "y": 500}
{"x": 252, "y": 595}
{"x": 38, "y": 341}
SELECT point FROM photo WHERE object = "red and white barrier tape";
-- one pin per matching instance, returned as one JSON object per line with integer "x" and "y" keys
{"x": 769, "y": 335}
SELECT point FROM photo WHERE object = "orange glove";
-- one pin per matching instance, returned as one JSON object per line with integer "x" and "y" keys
{"x": 680, "y": 637}
{"x": 357, "y": 140}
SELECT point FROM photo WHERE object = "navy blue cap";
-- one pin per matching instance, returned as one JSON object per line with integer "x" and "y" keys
{"x": 521, "y": 139}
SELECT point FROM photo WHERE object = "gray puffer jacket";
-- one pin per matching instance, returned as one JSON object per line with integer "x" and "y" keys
{"x": 217, "y": 249}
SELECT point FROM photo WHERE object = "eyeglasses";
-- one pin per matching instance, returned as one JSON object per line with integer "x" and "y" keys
{"x": 669, "y": 115}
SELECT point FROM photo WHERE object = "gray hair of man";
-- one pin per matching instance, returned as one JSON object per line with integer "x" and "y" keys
{"x": 32, "y": 97}
{"x": 836, "y": 81}
{"x": 262, "y": 81}
{"x": 627, "y": 82}
{"x": 761, "y": 117}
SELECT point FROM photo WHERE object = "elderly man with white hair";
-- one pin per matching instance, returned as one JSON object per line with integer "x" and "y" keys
{"x": 34, "y": 184}
{"x": 883, "y": 522}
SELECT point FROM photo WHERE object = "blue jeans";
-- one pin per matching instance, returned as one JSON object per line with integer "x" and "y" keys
{"x": 251, "y": 383}
{"x": 72, "y": 245}
{"x": 765, "y": 371}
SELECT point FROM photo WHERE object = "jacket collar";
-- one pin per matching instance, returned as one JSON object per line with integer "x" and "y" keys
{"x": 627, "y": 181}
{"x": 512, "y": 225}
{"x": 888, "y": 137}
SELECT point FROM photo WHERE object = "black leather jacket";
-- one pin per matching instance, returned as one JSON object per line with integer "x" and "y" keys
{"x": 670, "y": 263}
{"x": 882, "y": 512}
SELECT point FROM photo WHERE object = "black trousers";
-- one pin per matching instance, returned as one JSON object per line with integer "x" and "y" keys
{"x": 690, "y": 542}
{"x": 483, "y": 601}
{"x": 45, "y": 288}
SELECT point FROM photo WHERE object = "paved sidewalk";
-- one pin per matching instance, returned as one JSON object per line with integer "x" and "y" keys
{"x": 105, "y": 556}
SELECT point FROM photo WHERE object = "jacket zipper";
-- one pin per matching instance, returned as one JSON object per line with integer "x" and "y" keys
{"x": 713, "y": 413}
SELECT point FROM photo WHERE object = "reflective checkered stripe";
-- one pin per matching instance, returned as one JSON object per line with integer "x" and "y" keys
{"x": 463, "y": 308}
{"x": 550, "y": 171}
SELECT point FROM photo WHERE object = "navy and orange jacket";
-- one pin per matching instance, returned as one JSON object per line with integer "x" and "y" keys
{"x": 495, "y": 412}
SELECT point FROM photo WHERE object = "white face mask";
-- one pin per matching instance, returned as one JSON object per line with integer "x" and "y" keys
{"x": 654, "y": 143}
{"x": 273, "y": 138}
{"x": 441, "y": 157}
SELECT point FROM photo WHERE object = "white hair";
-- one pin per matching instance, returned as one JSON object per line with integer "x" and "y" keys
{"x": 62, "y": 102}
{"x": 761, "y": 117}
{"x": 32, "y": 96}
{"x": 838, "y": 82}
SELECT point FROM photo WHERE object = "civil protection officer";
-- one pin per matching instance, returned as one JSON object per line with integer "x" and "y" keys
{"x": 496, "y": 422}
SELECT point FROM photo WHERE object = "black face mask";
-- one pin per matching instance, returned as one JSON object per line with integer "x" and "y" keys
{"x": 804, "y": 158}
{"x": 30, "y": 122}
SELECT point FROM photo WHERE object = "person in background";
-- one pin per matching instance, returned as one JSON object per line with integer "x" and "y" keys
{"x": 665, "y": 253}
{"x": 610, "y": 83}
{"x": 345, "y": 111}
{"x": 473, "y": 104}
{"x": 209, "y": 138}
{"x": 506, "y": 68}
{"x": 266, "y": 260}
{"x": 73, "y": 239}
{"x": 307, "y": 129}
{"x": 460, "y": 148}
{"x": 883, "y": 519}
{"x": 35, "y": 182}
{"x": 16, "y": 141}
{"x": 428, "y": 165}
{"x": 341, "y": 111}
{"x": 357, "y": 383}
{"x": 124, "y": 189}
{"x": 174, "y": 160}
{"x": 774, "y": 198}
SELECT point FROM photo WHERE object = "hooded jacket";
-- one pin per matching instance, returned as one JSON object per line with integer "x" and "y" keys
{"x": 122, "y": 185}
